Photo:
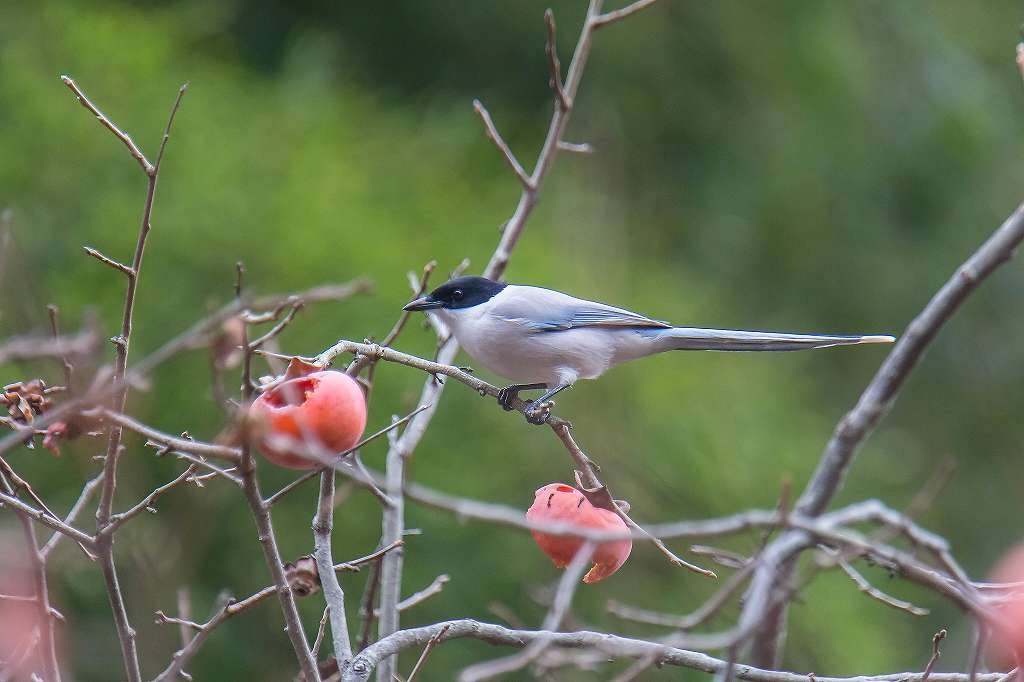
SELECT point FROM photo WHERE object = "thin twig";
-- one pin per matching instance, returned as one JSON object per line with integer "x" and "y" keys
{"x": 936, "y": 652}
{"x": 870, "y": 590}
{"x": 620, "y": 14}
{"x": 551, "y": 49}
{"x": 367, "y": 606}
{"x": 125, "y": 632}
{"x": 21, "y": 348}
{"x": 48, "y": 520}
{"x": 692, "y": 620}
{"x": 323, "y": 524}
{"x": 354, "y": 564}
{"x": 48, "y": 650}
{"x": 725, "y": 557}
{"x": 576, "y": 147}
{"x": 420, "y": 286}
{"x": 185, "y": 609}
{"x": 83, "y": 499}
{"x": 560, "y": 604}
{"x": 233, "y": 608}
{"x": 392, "y": 525}
{"x": 978, "y": 650}
{"x": 261, "y": 515}
{"x": 873, "y": 404}
{"x": 426, "y": 593}
{"x": 506, "y": 152}
{"x": 136, "y": 153}
{"x": 106, "y": 260}
{"x": 634, "y": 671}
{"x": 176, "y": 443}
{"x": 277, "y": 328}
{"x": 431, "y": 643}
{"x": 118, "y": 520}
{"x": 276, "y": 497}
{"x": 54, "y": 313}
{"x": 608, "y": 646}
{"x": 320, "y": 632}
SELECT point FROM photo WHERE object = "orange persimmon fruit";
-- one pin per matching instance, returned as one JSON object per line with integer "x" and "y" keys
{"x": 557, "y": 502}
{"x": 320, "y": 411}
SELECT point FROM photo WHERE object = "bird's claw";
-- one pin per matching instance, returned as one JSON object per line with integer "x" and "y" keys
{"x": 537, "y": 413}
{"x": 505, "y": 397}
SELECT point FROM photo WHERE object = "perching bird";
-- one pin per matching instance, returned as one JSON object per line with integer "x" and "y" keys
{"x": 541, "y": 338}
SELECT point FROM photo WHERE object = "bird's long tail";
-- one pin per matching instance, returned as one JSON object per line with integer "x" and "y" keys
{"x": 694, "y": 338}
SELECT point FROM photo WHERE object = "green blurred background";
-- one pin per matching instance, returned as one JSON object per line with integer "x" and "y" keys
{"x": 800, "y": 166}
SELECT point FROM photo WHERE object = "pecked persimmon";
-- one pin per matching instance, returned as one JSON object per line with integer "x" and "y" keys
{"x": 323, "y": 411}
{"x": 1008, "y": 640}
{"x": 557, "y": 502}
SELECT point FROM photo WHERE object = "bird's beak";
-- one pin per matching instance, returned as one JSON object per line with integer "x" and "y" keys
{"x": 424, "y": 303}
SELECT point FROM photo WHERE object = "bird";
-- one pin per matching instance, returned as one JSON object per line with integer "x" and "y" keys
{"x": 544, "y": 339}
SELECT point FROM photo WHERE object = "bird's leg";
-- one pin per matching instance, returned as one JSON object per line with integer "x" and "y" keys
{"x": 509, "y": 393}
{"x": 535, "y": 412}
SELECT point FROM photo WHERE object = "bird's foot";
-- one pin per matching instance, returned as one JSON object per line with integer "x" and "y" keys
{"x": 537, "y": 412}
{"x": 506, "y": 396}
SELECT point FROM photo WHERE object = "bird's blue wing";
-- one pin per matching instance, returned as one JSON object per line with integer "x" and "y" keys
{"x": 599, "y": 317}
{"x": 544, "y": 310}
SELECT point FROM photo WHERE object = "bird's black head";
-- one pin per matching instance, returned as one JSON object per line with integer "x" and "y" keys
{"x": 461, "y": 292}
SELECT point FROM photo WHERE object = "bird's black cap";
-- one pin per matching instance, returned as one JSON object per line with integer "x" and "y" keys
{"x": 461, "y": 292}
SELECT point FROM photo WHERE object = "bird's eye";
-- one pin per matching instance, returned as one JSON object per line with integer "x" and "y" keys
{"x": 457, "y": 295}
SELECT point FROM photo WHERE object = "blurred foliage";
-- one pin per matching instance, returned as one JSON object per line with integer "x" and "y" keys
{"x": 818, "y": 166}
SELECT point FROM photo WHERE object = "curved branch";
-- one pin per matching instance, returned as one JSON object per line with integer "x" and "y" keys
{"x": 873, "y": 404}
{"x": 613, "y": 646}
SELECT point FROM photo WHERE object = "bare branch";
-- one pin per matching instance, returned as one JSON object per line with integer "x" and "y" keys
{"x": 551, "y": 49}
{"x": 320, "y": 632}
{"x": 176, "y": 443}
{"x": 20, "y": 348}
{"x": 361, "y": 362}
{"x": 48, "y": 653}
{"x": 167, "y": 129}
{"x": 106, "y": 260}
{"x": 698, "y": 617}
{"x": 870, "y": 590}
{"x": 324, "y": 292}
{"x": 560, "y": 604}
{"x": 323, "y": 523}
{"x": 725, "y": 557}
{"x": 354, "y": 564}
{"x": 126, "y": 634}
{"x": 276, "y": 497}
{"x": 118, "y": 520}
{"x": 233, "y": 608}
{"x": 576, "y": 147}
{"x": 264, "y": 525}
{"x": 426, "y": 593}
{"x": 546, "y": 157}
{"x": 431, "y": 643}
{"x": 54, "y": 313}
{"x": 136, "y": 153}
{"x": 277, "y": 328}
{"x": 619, "y": 14}
{"x": 936, "y": 652}
{"x": 873, "y": 404}
{"x": 48, "y": 520}
{"x": 392, "y": 525}
{"x": 637, "y": 669}
{"x": 83, "y": 499}
{"x": 609, "y": 646}
{"x": 499, "y": 142}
